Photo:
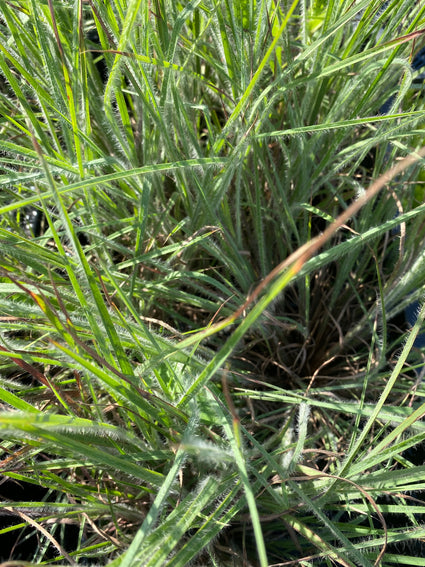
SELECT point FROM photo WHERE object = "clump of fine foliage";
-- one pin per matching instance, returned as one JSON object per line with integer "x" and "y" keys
{"x": 158, "y": 161}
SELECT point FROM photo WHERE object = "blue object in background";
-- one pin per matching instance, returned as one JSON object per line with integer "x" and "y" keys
{"x": 419, "y": 60}
{"x": 412, "y": 310}
{"x": 411, "y": 315}
{"x": 417, "y": 63}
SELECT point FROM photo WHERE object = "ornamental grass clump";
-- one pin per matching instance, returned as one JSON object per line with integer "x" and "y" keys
{"x": 211, "y": 227}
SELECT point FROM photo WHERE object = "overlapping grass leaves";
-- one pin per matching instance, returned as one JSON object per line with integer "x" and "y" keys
{"x": 178, "y": 155}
